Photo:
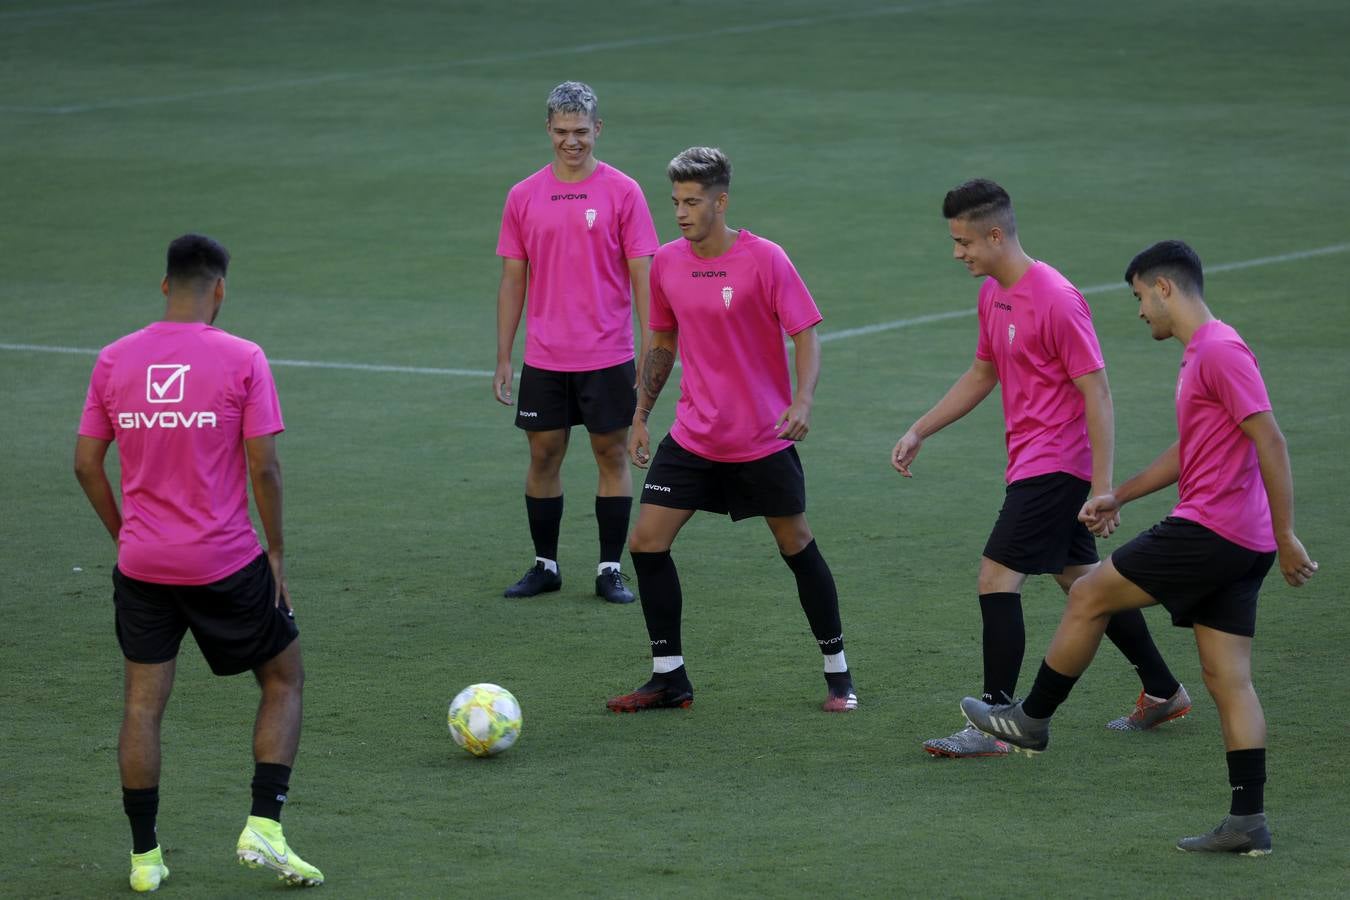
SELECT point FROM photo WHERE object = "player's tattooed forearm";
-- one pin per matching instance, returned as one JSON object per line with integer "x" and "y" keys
{"x": 656, "y": 370}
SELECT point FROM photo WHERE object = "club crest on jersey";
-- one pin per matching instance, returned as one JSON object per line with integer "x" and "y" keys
{"x": 726, "y": 297}
{"x": 1012, "y": 330}
{"x": 590, "y": 218}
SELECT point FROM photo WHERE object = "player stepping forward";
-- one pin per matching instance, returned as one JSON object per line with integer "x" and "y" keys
{"x": 1035, "y": 340}
{"x": 1205, "y": 562}
{"x": 187, "y": 555}
{"x": 731, "y": 447}
{"x": 577, "y": 239}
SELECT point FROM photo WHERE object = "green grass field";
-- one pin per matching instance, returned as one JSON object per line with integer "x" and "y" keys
{"x": 355, "y": 157}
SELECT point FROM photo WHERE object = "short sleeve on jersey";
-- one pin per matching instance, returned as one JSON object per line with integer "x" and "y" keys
{"x": 94, "y": 422}
{"x": 1230, "y": 372}
{"x": 261, "y": 408}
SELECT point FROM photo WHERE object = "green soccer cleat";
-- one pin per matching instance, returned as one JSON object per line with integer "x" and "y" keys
{"x": 261, "y": 844}
{"x": 148, "y": 870}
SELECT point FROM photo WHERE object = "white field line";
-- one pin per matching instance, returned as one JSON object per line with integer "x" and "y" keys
{"x": 598, "y": 46}
{"x": 1094, "y": 289}
{"x": 828, "y": 336}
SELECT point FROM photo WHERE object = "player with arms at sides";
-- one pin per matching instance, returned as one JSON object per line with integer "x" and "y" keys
{"x": 195, "y": 415}
{"x": 1036, "y": 340}
{"x": 577, "y": 238}
{"x": 1206, "y": 561}
{"x": 724, "y": 299}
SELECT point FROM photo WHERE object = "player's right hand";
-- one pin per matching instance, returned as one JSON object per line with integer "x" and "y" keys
{"x": 905, "y": 450}
{"x": 501, "y": 384}
{"x": 639, "y": 444}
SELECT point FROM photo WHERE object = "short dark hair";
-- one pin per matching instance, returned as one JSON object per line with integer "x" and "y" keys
{"x": 980, "y": 199}
{"x": 1173, "y": 258}
{"x": 708, "y": 166}
{"x": 196, "y": 257}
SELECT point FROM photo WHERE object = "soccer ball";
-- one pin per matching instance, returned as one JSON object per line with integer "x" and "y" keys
{"x": 484, "y": 719}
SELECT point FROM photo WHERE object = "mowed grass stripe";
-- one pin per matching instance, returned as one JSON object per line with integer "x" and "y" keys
{"x": 827, "y": 336}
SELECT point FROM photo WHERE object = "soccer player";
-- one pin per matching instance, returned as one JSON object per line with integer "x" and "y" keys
{"x": 1205, "y": 562}
{"x": 723, "y": 298}
{"x": 579, "y": 233}
{"x": 194, "y": 412}
{"x": 1036, "y": 340}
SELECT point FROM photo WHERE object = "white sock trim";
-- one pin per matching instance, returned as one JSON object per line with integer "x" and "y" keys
{"x": 550, "y": 564}
{"x": 600, "y": 569}
{"x": 663, "y": 665}
{"x": 834, "y": 662}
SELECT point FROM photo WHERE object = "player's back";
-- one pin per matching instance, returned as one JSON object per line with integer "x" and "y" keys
{"x": 179, "y": 398}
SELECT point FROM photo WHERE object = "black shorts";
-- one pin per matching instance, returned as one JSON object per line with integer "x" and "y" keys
{"x": 772, "y": 486}
{"x": 1198, "y": 576}
{"x": 1037, "y": 531}
{"x": 603, "y": 400}
{"x": 233, "y": 620}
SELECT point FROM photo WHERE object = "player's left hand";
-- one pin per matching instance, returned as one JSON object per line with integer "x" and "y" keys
{"x": 795, "y": 422}
{"x": 1295, "y": 564}
{"x": 1101, "y": 514}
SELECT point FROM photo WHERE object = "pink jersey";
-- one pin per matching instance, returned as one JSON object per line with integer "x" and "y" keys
{"x": 577, "y": 238}
{"x": 1039, "y": 336}
{"x": 731, "y": 313}
{"x": 179, "y": 398}
{"x": 1218, "y": 387}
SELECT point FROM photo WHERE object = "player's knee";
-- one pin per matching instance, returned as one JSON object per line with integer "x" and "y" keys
{"x": 1226, "y": 681}
{"x": 1087, "y": 599}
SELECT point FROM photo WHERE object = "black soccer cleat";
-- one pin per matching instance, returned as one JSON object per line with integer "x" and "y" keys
{"x": 610, "y": 585}
{"x": 669, "y": 691}
{"x": 537, "y": 580}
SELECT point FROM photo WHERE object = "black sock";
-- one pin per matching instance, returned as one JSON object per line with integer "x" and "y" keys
{"x": 271, "y": 781}
{"x": 819, "y": 599}
{"x": 545, "y": 515}
{"x": 1005, "y": 641}
{"x": 142, "y": 806}
{"x": 1129, "y": 632}
{"x": 1048, "y": 691}
{"x": 611, "y": 514}
{"x": 1247, "y": 776}
{"x": 659, "y": 588}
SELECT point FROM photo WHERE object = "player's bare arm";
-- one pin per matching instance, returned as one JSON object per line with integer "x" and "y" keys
{"x": 510, "y": 305}
{"x": 1101, "y": 427}
{"x": 89, "y": 456}
{"x": 795, "y": 421}
{"x": 963, "y": 396}
{"x": 264, "y": 471}
{"x": 1163, "y": 471}
{"x": 655, "y": 372}
{"x": 1272, "y": 455}
{"x": 639, "y": 276}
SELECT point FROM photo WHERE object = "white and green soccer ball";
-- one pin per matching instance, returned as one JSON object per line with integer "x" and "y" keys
{"x": 484, "y": 719}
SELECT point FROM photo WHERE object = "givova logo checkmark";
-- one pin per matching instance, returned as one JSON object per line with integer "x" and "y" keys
{"x": 164, "y": 382}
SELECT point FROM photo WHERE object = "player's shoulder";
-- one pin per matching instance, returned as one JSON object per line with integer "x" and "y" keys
{"x": 1049, "y": 282}
{"x": 531, "y": 182}
{"x": 672, "y": 250}
{"x": 606, "y": 173}
{"x": 1219, "y": 341}
{"x": 231, "y": 345}
{"x": 761, "y": 249}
